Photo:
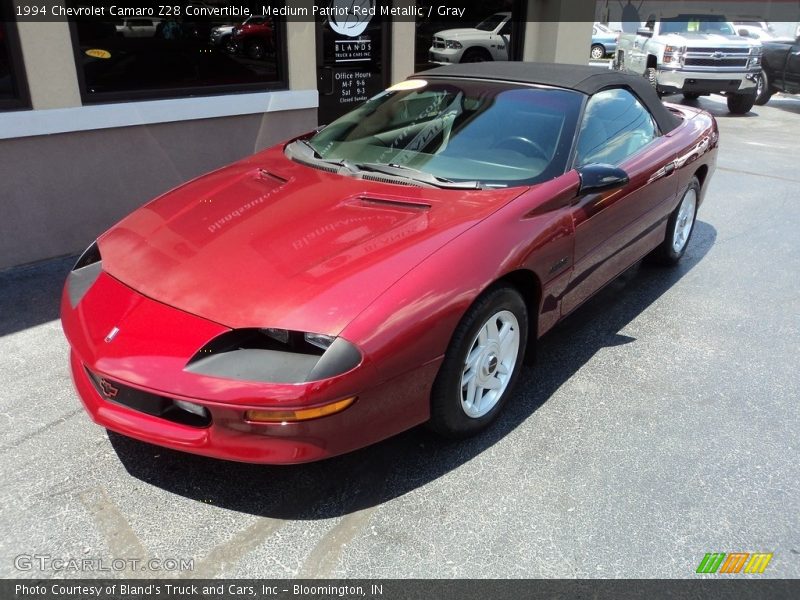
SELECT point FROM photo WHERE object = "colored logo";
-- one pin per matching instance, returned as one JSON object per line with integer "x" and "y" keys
{"x": 97, "y": 53}
{"x": 109, "y": 391}
{"x": 351, "y": 17}
{"x": 734, "y": 562}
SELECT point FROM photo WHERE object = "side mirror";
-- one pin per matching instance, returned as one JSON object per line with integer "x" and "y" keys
{"x": 597, "y": 178}
{"x": 644, "y": 32}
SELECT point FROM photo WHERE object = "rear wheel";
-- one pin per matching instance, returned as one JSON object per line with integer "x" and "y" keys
{"x": 597, "y": 52}
{"x": 481, "y": 364}
{"x": 679, "y": 227}
{"x": 740, "y": 104}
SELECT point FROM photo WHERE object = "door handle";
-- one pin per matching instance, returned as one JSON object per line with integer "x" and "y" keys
{"x": 665, "y": 171}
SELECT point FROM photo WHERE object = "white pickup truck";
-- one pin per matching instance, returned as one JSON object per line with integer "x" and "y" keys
{"x": 695, "y": 55}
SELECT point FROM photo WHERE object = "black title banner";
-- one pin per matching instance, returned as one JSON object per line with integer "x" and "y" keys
{"x": 468, "y": 11}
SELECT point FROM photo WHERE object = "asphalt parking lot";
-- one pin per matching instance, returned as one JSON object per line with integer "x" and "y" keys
{"x": 660, "y": 423}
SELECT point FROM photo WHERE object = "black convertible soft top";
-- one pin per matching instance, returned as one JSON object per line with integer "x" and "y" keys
{"x": 584, "y": 79}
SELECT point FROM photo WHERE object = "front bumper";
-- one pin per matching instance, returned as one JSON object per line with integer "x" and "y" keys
{"x": 445, "y": 56}
{"x": 376, "y": 415}
{"x": 148, "y": 356}
{"x": 673, "y": 81}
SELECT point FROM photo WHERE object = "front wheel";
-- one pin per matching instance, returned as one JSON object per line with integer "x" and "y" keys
{"x": 679, "y": 227}
{"x": 256, "y": 50}
{"x": 764, "y": 89}
{"x": 740, "y": 104}
{"x": 652, "y": 78}
{"x": 473, "y": 55}
{"x": 481, "y": 364}
{"x": 597, "y": 52}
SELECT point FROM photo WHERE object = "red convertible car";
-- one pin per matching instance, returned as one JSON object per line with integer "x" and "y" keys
{"x": 391, "y": 269}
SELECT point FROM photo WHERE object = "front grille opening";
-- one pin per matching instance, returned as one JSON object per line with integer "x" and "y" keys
{"x": 149, "y": 404}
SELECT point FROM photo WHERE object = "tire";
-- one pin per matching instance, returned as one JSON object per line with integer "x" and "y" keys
{"x": 691, "y": 96}
{"x": 256, "y": 50}
{"x": 473, "y": 55}
{"x": 652, "y": 78}
{"x": 480, "y": 367}
{"x": 597, "y": 52}
{"x": 679, "y": 227}
{"x": 764, "y": 89}
{"x": 740, "y": 104}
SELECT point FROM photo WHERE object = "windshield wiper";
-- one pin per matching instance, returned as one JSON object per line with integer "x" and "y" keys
{"x": 417, "y": 175}
{"x": 310, "y": 153}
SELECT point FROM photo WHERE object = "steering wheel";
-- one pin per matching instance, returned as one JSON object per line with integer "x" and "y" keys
{"x": 522, "y": 145}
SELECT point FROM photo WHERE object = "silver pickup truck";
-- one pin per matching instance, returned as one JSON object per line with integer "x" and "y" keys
{"x": 695, "y": 55}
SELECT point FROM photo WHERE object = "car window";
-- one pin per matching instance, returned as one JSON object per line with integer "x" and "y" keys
{"x": 491, "y": 23}
{"x": 495, "y": 133}
{"x": 506, "y": 29}
{"x": 615, "y": 126}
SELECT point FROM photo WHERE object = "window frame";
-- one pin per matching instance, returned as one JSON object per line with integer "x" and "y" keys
{"x": 22, "y": 98}
{"x": 282, "y": 83}
{"x": 573, "y": 162}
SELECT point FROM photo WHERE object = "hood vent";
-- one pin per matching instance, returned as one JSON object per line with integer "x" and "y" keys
{"x": 264, "y": 174}
{"x": 391, "y": 203}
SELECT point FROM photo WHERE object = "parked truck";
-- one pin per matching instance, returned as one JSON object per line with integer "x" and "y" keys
{"x": 781, "y": 70}
{"x": 694, "y": 55}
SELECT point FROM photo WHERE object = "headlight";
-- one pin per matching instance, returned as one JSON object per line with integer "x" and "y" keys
{"x": 319, "y": 340}
{"x": 84, "y": 274}
{"x": 755, "y": 56}
{"x": 674, "y": 55}
{"x": 275, "y": 356}
{"x": 453, "y": 44}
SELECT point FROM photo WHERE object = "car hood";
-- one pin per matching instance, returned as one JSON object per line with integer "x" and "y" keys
{"x": 267, "y": 242}
{"x": 466, "y": 32}
{"x": 713, "y": 40}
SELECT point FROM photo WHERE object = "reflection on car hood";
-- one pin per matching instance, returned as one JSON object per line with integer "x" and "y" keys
{"x": 272, "y": 243}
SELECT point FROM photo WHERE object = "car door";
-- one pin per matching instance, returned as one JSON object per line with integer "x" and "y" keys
{"x": 615, "y": 228}
{"x": 792, "y": 73}
{"x": 501, "y": 41}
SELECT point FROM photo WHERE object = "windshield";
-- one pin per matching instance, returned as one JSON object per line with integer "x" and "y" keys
{"x": 697, "y": 24}
{"x": 493, "y": 133}
{"x": 491, "y": 23}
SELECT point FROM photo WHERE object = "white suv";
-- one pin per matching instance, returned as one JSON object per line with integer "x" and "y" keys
{"x": 488, "y": 40}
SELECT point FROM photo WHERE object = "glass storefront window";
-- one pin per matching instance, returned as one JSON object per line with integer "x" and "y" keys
{"x": 488, "y": 31}
{"x": 185, "y": 54}
{"x": 13, "y": 92}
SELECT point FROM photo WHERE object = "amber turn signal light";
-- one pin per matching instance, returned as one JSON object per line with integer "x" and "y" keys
{"x": 301, "y": 414}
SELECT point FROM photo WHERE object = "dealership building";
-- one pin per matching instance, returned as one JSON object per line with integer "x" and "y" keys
{"x": 99, "y": 115}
